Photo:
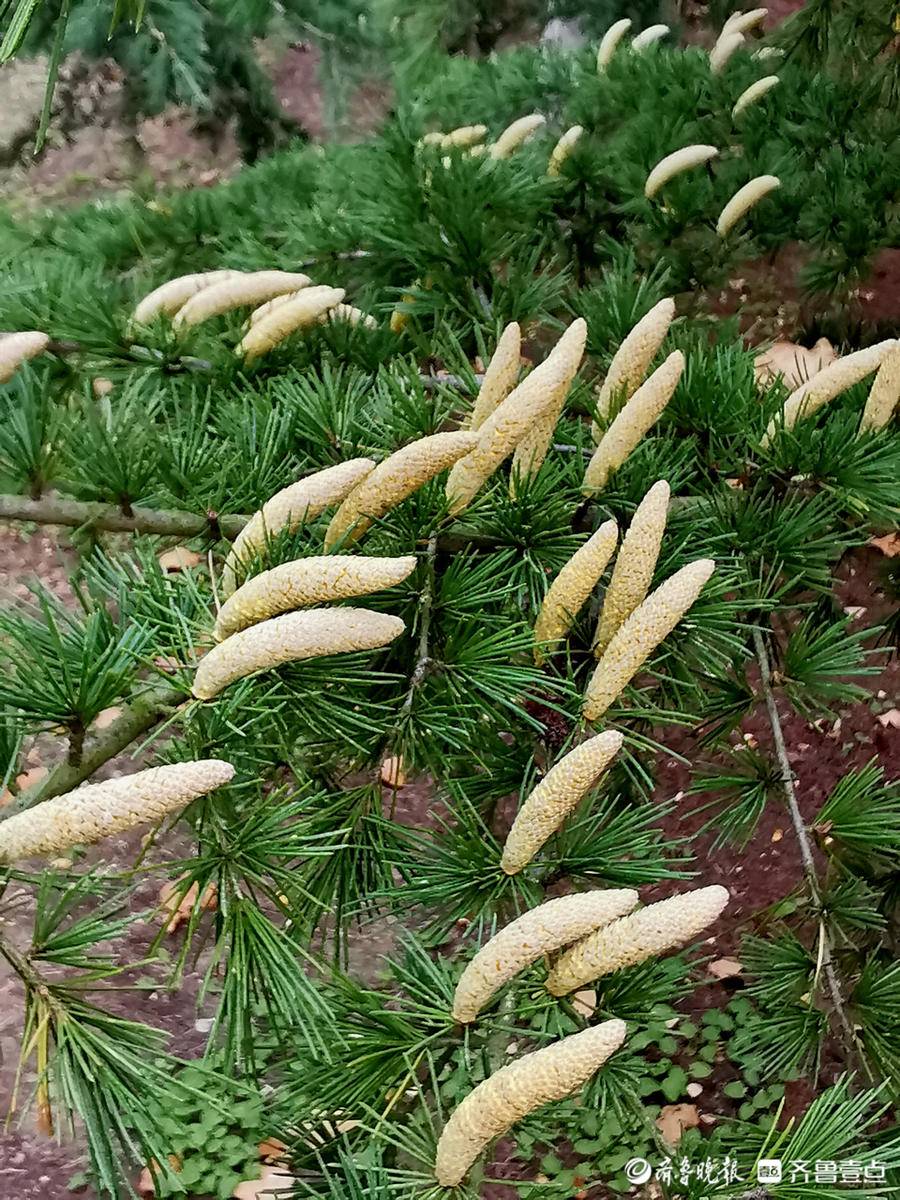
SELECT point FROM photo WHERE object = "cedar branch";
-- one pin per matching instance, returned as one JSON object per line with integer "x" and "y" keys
{"x": 426, "y": 603}
{"x": 848, "y": 1035}
{"x": 79, "y": 514}
{"x": 82, "y": 514}
{"x": 140, "y": 715}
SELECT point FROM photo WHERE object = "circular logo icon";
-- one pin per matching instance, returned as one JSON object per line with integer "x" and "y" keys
{"x": 638, "y": 1170}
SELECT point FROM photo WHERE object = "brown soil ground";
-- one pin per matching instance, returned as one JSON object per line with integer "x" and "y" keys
{"x": 167, "y": 151}
{"x": 771, "y": 302}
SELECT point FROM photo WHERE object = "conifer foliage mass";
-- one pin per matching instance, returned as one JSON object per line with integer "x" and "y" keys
{"x": 371, "y": 565}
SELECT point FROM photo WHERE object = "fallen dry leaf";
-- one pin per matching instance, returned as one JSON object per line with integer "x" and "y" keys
{"x": 272, "y": 1150}
{"x": 392, "y": 772}
{"x": 167, "y": 663}
{"x": 104, "y": 719}
{"x": 855, "y": 611}
{"x": 272, "y": 1180}
{"x": 179, "y": 558}
{"x": 584, "y": 1002}
{"x": 176, "y": 907}
{"x": 26, "y": 780}
{"x": 674, "y": 1119}
{"x": 145, "y": 1183}
{"x": 890, "y": 719}
{"x": 795, "y": 364}
{"x": 777, "y": 835}
{"x": 725, "y": 968}
{"x": 889, "y": 545}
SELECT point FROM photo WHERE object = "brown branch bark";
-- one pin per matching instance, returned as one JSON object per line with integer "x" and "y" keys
{"x": 426, "y": 603}
{"x": 140, "y": 715}
{"x": 82, "y": 514}
{"x": 844, "y": 1025}
{"x": 78, "y": 514}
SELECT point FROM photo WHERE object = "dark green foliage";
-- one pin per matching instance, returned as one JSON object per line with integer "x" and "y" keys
{"x": 860, "y": 819}
{"x": 94, "y": 661}
{"x": 195, "y": 54}
{"x": 214, "y": 1129}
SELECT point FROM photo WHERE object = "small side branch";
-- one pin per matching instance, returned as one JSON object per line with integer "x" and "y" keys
{"x": 423, "y": 659}
{"x": 432, "y": 382}
{"x": 133, "y": 352}
{"x": 136, "y": 719}
{"x": 787, "y": 775}
{"x": 426, "y": 605}
{"x": 66, "y": 347}
{"x": 332, "y": 255}
{"x": 848, "y": 1034}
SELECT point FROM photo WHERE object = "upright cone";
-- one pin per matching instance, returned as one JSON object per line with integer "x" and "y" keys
{"x": 637, "y": 638}
{"x": 500, "y": 376}
{"x": 570, "y": 589}
{"x": 638, "y": 416}
{"x": 401, "y": 474}
{"x": 511, "y": 1093}
{"x": 635, "y": 564}
{"x": 632, "y": 939}
{"x": 829, "y": 383}
{"x": 539, "y": 931}
{"x": 566, "y": 355}
{"x": 557, "y": 795}
{"x": 884, "y": 397}
{"x": 533, "y": 403}
{"x": 291, "y": 507}
{"x": 318, "y": 579}
{"x": 632, "y": 360}
{"x": 292, "y": 637}
{"x": 18, "y": 348}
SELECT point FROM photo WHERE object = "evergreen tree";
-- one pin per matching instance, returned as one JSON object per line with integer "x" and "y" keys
{"x": 280, "y": 693}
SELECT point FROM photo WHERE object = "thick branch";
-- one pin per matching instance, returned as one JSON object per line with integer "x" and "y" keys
{"x": 80, "y": 514}
{"x": 77, "y": 514}
{"x": 62, "y": 347}
{"x": 139, "y": 716}
{"x": 806, "y": 851}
